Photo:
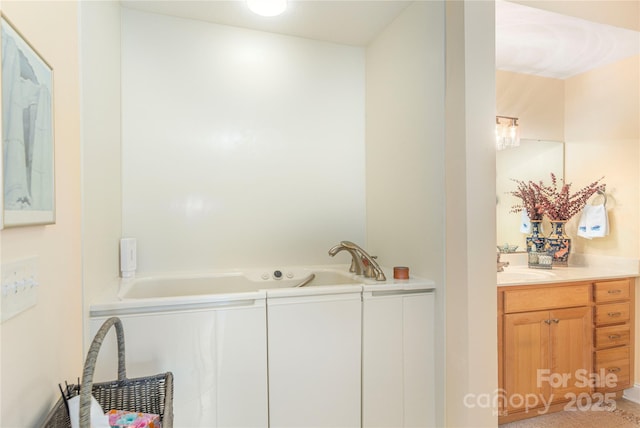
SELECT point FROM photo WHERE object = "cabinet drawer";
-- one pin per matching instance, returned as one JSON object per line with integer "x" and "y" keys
{"x": 534, "y": 299}
{"x": 611, "y": 362}
{"x": 611, "y": 291}
{"x": 617, "y": 335}
{"x": 612, "y": 313}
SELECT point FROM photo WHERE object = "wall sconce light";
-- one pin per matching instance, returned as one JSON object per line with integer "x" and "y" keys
{"x": 507, "y": 132}
{"x": 267, "y": 7}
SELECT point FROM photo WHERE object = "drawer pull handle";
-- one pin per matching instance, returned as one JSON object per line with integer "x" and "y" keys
{"x": 613, "y": 369}
{"x": 614, "y": 336}
{"x": 614, "y": 314}
{"x": 616, "y": 291}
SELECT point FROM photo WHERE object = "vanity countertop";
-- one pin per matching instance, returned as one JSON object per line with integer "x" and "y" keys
{"x": 581, "y": 268}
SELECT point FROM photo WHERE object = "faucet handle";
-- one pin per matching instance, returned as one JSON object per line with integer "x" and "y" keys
{"x": 369, "y": 270}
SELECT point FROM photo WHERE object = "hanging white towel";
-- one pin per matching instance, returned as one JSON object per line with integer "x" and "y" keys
{"x": 594, "y": 222}
{"x": 525, "y": 223}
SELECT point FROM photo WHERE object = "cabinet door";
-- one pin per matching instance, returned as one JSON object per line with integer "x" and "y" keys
{"x": 419, "y": 360}
{"x": 570, "y": 337}
{"x": 241, "y": 368}
{"x": 314, "y": 361}
{"x": 217, "y": 356}
{"x": 382, "y": 368}
{"x": 526, "y": 353}
{"x": 398, "y": 361}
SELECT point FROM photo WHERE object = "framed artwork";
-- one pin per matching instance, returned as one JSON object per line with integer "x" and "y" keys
{"x": 28, "y": 178}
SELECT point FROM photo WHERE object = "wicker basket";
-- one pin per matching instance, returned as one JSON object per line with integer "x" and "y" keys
{"x": 152, "y": 394}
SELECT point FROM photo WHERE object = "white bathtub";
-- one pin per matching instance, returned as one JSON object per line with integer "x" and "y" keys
{"x": 250, "y": 280}
{"x": 247, "y": 287}
{"x": 241, "y": 343}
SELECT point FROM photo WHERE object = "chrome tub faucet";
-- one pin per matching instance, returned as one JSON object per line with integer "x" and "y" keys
{"x": 361, "y": 262}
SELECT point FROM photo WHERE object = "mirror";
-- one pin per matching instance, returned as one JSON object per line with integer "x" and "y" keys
{"x": 533, "y": 160}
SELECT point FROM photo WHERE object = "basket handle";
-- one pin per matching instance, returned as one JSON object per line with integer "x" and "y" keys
{"x": 90, "y": 366}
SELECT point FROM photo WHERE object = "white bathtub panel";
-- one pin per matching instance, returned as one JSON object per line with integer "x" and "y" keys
{"x": 216, "y": 356}
{"x": 419, "y": 360}
{"x": 382, "y": 368}
{"x": 241, "y": 366}
{"x": 398, "y": 359}
{"x": 314, "y": 361}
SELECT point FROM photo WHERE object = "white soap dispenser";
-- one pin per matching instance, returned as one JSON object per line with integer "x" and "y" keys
{"x": 128, "y": 257}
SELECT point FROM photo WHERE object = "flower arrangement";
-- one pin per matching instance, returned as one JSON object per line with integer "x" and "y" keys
{"x": 555, "y": 202}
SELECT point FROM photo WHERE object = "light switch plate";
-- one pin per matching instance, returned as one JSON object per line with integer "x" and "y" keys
{"x": 19, "y": 287}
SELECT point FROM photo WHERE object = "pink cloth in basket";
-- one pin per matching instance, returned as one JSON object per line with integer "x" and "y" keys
{"x": 124, "y": 419}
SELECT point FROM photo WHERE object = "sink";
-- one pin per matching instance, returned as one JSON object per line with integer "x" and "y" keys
{"x": 524, "y": 274}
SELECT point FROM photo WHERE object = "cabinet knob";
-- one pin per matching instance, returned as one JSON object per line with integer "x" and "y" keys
{"x": 614, "y": 314}
{"x": 616, "y": 291}
{"x": 555, "y": 320}
{"x": 614, "y": 336}
{"x": 547, "y": 321}
{"x": 613, "y": 369}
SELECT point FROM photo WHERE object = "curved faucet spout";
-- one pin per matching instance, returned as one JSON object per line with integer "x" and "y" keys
{"x": 336, "y": 249}
{"x": 356, "y": 262}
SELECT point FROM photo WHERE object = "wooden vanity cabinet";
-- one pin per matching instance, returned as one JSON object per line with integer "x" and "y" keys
{"x": 553, "y": 338}
{"x": 546, "y": 340}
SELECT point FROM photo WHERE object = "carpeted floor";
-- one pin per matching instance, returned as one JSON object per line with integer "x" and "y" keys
{"x": 625, "y": 415}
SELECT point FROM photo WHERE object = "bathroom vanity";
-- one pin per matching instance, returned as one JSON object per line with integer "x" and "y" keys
{"x": 565, "y": 340}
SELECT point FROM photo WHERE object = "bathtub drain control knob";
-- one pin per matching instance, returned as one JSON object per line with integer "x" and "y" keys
{"x": 277, "y": 274}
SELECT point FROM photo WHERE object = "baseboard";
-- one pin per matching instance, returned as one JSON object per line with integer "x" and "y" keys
{"x": 632, "y": 394}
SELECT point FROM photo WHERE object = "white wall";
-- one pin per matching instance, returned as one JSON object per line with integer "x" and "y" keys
{"x": 471, "y": 308}
{"x": 42, "y": 346}
{"x": 240, "y": 148}
{"x": 101, "y": 183}
{"x": 405, "y": 151}
{"x": 431, "y": 183}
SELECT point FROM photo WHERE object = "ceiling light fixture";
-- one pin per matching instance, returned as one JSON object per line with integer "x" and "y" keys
{"x": 507, "y": 132}
{"x": 267, "y": 7}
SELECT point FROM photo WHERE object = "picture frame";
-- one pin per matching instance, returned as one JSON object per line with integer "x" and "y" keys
{"x": 28, "y": 165}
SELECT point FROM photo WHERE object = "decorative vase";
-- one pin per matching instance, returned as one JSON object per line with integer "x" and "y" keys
{"x": 535, "y": 241}
{"x": 559, "y": 244}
